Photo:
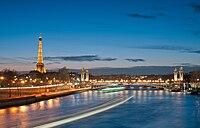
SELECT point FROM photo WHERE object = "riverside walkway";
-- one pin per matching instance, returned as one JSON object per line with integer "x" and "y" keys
{"x": 28, "y": 99}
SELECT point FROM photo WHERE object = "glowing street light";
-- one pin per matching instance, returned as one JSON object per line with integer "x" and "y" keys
{"x": 22, "y": 82}
{"x": 2, "y": 78}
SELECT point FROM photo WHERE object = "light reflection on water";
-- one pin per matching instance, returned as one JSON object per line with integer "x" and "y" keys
{"x": 56, "y": 102}
{"x": 23, "y": 108}
{"x": 2, "y": 111}
{"x": 20, "y": 116}
{"x": 148, "y": 108}
{"x": 13, "y": 110}
{"x": 146, "y": 104}
{"x": 50, "y": 103}
{"x": 33, "y": 107}
{"x": 41, "y": 105}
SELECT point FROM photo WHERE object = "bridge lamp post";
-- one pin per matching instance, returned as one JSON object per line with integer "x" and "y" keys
{"x": 1, "y": 78}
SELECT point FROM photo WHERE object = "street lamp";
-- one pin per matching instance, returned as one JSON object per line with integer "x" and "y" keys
{"x": 22, "y": 82}
{"x": 30, "y": 81}
{"x": 2, "y": 78}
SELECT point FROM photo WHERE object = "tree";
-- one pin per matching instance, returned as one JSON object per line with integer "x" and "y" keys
{"x": 194, "y": 76}
{"x": 63, "y": 74}
{"x": 8, "y": 76}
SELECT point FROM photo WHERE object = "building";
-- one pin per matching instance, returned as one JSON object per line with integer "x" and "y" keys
{"x": 181, "y": 74}
{"x": 83, "y": 75}
{"x": 40, "y": 64}
{"x": 175, "y": 75}
{"x": 87, "y": 75}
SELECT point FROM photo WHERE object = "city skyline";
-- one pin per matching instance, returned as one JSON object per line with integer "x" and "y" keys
{"x": 102, "y": 33}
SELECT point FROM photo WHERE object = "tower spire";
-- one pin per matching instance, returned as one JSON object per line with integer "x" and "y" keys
{"x": 40, "y": 64}
{"x": 175, "y": 75}
{"x": 86, "y": 75}
{"x": 181, "y": 73}
{"x": 83, "y": 75}
{"x": 40, "y": 35}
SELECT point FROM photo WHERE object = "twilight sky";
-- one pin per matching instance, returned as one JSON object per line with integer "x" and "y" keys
{"x": 99, "y": 33}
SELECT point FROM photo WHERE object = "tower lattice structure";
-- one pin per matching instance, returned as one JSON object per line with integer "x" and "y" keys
{"x": 40, "y": 64}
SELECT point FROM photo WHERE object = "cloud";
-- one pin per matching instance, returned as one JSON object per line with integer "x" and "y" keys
{"x": 171, "y": 48}
{"x": 161, "y": 14}
{"x": 51, "y": 63}
{"x": 28, "y": 59}
{"x": 196, "y": 33}
{"x": 196, "y": 7}
{"x": 56, "y": 59}
{"x": 79, "y": 58}
{"x": 141, "y": 16}
{"x": 135, "y": 60}
{"x": 7, "y": 59}
{"x": 14, "y": 60}
{"x": 3, "y": 63}
{"x": 164, "y": 47}
{"x": 194, "y": 51}
{"x": 185, "y": 64}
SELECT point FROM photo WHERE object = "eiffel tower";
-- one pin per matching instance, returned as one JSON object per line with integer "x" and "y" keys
{"x": 40, "y": 64}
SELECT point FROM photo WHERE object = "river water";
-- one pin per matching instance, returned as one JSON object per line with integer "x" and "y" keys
{"x": 147, "y": 109}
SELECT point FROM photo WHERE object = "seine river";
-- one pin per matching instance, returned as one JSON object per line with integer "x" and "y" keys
{"x": 147, "y": 109}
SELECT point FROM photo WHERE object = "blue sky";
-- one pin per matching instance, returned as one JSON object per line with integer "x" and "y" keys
{"x": 99, "y": 33}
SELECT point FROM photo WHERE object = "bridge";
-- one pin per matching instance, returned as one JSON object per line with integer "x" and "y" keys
{"x": 129, "y": 86}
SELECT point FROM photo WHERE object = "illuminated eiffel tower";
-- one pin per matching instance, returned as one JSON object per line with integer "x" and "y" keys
{"x": 40, "y": 65}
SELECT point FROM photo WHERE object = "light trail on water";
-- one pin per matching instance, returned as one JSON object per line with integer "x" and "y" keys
{"x": 84, "y": 115}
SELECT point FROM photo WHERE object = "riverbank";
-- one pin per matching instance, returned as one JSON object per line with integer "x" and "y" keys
{"x": 25, "y": 100}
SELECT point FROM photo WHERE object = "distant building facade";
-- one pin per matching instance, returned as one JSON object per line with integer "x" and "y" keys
{"x": 175, "y": 75}
{"x": 181, "y": 75}
{"x": 87, "y": 75}
{"x": 84, "y": 75}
